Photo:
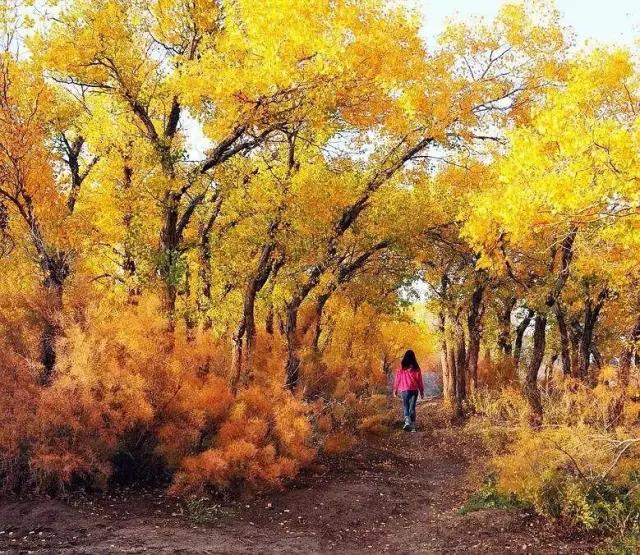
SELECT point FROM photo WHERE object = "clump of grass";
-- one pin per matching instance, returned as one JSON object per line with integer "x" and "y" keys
{"x": 201, "y": 510}
{"x": 626, "y": 545}
{"x": 488, "y": 497}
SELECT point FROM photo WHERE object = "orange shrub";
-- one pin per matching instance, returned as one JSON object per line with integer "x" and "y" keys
{"x": 263, "y": 441}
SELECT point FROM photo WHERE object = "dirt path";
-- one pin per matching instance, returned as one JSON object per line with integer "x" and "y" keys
{"x": 401, "y": 494}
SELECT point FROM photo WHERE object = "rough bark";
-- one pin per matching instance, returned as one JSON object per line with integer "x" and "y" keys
{"x": 575, "y": 338}
{"x": 321, "y": 301}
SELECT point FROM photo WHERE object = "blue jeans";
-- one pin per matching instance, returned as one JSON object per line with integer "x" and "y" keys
{"x": 409, "y": 399}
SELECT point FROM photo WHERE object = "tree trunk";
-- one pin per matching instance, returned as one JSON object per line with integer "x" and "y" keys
{"x": 268, "y": 324}
{"x": 504, "y": 325}
{"x": 575, "y": 337}
{"x": 56, "y": 270}
{"x": 460, "y": 360}
{"x": 584, "y": 348}
{"x": 169, "y": 256}
{"x": 474, "y": 324}
{"x": 204, "y": 269}
{"x": 447, "y": 389}
{"x": 243, "y": 356}
{"x": 321, "y": 301}
{"x": 591, "y": 315}
{"x": 565, "y": 352}
{"x": 54, "y": 288}
{"x": 548, "y": 371}
{"x": 531, "y": 389}
{"x": 292, "y": 367}
{"x": 520, "y": 331}
{"x": 626, "y": 358}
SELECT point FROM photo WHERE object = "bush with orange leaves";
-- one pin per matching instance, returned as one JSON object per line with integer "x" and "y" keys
{"x": 130, "y": 398}
{"x": 19, "y": 394}
{"x": 263, "y": 440}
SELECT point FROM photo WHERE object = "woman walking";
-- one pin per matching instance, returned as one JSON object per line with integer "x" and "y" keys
{"x": 408, "y": 383}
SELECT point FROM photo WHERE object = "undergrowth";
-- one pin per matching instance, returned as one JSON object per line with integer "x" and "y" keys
{"x": 489, "y": 497}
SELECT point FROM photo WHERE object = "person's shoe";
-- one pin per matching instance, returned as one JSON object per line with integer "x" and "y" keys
{"x": 413, "y": 429}
{"x": 407, "y": 425}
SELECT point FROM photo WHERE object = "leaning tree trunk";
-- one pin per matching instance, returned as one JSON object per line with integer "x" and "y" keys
{"x": 50, "y": 331}
{"x": 204, "y": 270}
{"x": 531, "y": 389}
{"x": 246, "y": 332}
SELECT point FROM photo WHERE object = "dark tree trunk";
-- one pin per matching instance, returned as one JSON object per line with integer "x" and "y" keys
{"x": 459, "y": 356}
{"x": 504, "y": 323}
{"x": 189, "y": 319}
{"x": 169, "y": 256}
{"x": 50, "y": 333}
{"x": 321, "y": 301}
{"x": 548, "y": 371}
{"x": 575, "y": 337}
{"x": 206, "y": 285}
{"x": 268, "y": 324}
{"x": 292, "y": 367}
{"x": 597, "y": 357}
{"x": 129, "y": 265}
{"x": 591, "y": 314}
{"x": 584, "y": 348}
{"x": 565, "y": 350}
{"x": 57, "y": 273}
{"x": 243, "y": 356}
{"x": 532, "y": 391}
{"x": 474, "y": 323}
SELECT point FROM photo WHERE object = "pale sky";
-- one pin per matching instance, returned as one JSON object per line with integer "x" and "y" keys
{"x": 609, "y": 21}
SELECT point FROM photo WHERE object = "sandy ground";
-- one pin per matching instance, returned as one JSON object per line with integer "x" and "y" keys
{"x": 400, "y": 494}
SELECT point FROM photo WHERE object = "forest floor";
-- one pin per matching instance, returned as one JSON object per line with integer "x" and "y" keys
{"x": 397, "y": 494}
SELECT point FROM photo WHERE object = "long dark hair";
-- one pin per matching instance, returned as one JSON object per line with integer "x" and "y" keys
{"x": 409, "y": 361}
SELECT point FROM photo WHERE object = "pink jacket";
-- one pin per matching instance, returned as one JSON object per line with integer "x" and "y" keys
{"x": 408, "y": 380}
